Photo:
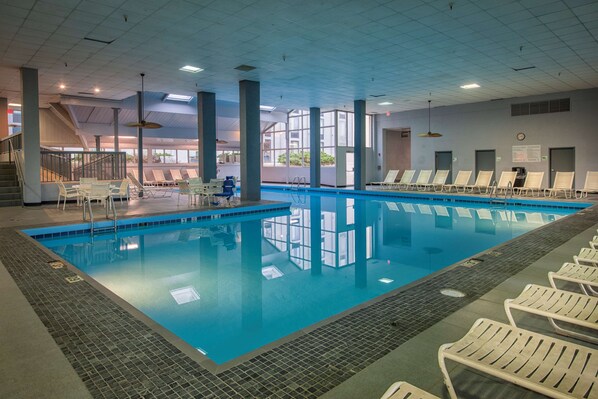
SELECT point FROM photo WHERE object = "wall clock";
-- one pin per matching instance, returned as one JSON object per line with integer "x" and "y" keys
{"x": 520, "y": 136}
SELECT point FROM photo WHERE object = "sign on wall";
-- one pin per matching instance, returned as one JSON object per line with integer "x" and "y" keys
{"x": 527, "y": 153}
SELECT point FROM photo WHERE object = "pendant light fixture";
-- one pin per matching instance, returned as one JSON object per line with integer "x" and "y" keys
{"x": 143, "y": 123}
{"x": 429, "y": 133}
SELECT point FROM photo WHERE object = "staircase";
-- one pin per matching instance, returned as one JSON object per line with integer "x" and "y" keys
{"x": 10, "y": 192}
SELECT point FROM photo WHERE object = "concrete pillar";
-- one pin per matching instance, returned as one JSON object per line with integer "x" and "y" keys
{"x": 98, "y": 142}
{"x": 3, "y": 117}
{"x": 32, "y": 190}
{"x": 249, "y": 102}
{"x": 314, "y": 147}
{"x": 140, "y": 117}
{"x": 116, "y": 173}
{"x": 206, "y": 130}
{"x": 360, "y": 172}
{"x": 115, "y": 112}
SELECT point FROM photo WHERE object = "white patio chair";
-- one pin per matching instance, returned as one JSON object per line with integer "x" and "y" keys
{"x": 184, "y": 189}
{"x": 533, "y": 182}
{"x": 587, "y": 256}
{"x": 66, "y": 193}
{"x": 584, "y": 276}
{"x": 569, "y": 307}
{"x": 506, "y": 181}
{"x": 437, "y": 182}
{"x": 481, "y": 182}
{"x": 404, "y": 390}
{"x": 405, "y": 181}
{"x": 563, "y": 181}
{"x": 590, "y": 186}
{"x": 460, "y": 182}
{"x": 423, "y": 178}
{"x": 390, "y": 178}
{"x": 122, "y": 190}
{"x": 546, "y": 365}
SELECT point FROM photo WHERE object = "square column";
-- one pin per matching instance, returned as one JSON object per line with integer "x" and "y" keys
{"x": 249, "y": 102}
{"x": 359, "y": 109}
{"x": 3, "y": 117}
{"x": 32, "y": 190}
{"x": 314, "y": 147}
{"x": 206, "y": 134}
{"x": 140, "y": 117}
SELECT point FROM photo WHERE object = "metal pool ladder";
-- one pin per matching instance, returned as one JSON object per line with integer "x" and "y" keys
{"x": 298, "y": 182}
{"x": 109, "y": 205}
{"x": 494, "y": 194}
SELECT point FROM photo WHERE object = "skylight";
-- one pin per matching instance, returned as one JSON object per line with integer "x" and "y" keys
{"x": 470, "y": 86}
{"x": 191, "y": 68}
{"x": 178, "y": 97}
{"x": 385, "y": 103}
{"x": 267, "y": 108}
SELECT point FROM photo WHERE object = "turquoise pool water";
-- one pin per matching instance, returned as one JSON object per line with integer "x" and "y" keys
{"x": 230, "y": 288}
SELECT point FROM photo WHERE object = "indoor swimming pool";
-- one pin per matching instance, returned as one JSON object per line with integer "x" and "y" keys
{"x": 230, "y": 286}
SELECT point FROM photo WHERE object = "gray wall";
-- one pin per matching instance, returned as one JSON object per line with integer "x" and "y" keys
{"x": 489, "y": 125}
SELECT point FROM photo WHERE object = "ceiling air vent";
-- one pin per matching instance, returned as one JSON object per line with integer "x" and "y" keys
{"x": 541, "y": 107}
{"x": 245, "y": 68}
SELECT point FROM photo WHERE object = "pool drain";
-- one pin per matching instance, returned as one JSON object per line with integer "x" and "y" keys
{"x": 56, "y": 264}
{"x": 73, "y": 279}
{"x": 452, "y": 293}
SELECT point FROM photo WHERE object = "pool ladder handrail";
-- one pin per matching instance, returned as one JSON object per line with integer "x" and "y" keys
{"x": 494, "y": 193}
{"x": 109, "y": 205}
{"x": 298, "y": 182}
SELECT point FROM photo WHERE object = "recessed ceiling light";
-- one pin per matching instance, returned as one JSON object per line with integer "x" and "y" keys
{"x": 96, "y": 90}
{"x": 385, "y": 103}
{"x": 470, "y": 86}
{"x": 267, "y": 108}
{"x": 14, "y": 105}
{"x": 190, "y": 68}
{"x": 62, "y": 86}
{"x": 178, "y": 97}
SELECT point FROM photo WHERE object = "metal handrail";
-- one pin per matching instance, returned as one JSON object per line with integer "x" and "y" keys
{"x": 109, "y": 205}
{"x": 298, "y": 182}
{"x": 13, "y": 154}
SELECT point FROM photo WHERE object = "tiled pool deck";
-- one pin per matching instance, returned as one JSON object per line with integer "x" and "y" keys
{"x": 118, "y": 356}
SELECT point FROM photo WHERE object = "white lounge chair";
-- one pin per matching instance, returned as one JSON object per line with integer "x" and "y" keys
{"x": 563, "y": 181}
{"x": 422, "y": 179}
{"x": 437, "y": 182}
{"x": 533, "y": 182}
{"x": 192, "y": 173}
{"x": 405, "y": 181}
{"x": 460, "y": 182}
{"x": 585, "y": 276}
{"x": 389, "y": 179}
{"x": 594, "y": 242}
{"x": 149, "y": 179}
{"x": 160, "y": 179}
{"x": 176, "y": 175}
{"x": 463, "y": 212}
{"x": 569, "y": 307}
{"x": 481, "y": 182}
{"x": 547, "y": 365}
{"x": 404, "y": 390}
{"x": 506, "y": 181}
{"x": 590, "y": 186}
{"x": 148, "y": 191}
{"x": 587, "y": 256}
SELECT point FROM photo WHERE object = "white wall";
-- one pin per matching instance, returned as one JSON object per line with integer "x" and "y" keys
{"x": 489, "y": 125}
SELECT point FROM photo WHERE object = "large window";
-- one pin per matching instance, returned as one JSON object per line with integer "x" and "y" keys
{"x": 336, "y": 129}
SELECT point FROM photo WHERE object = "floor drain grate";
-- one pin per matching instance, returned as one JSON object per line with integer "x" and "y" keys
{"x": 471, "y": 262}
{"x": 56, "y": 264}
{"x": 452, "y": 293}
{"x": 73, "y": 279}
{"x": 494, "y": 253}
